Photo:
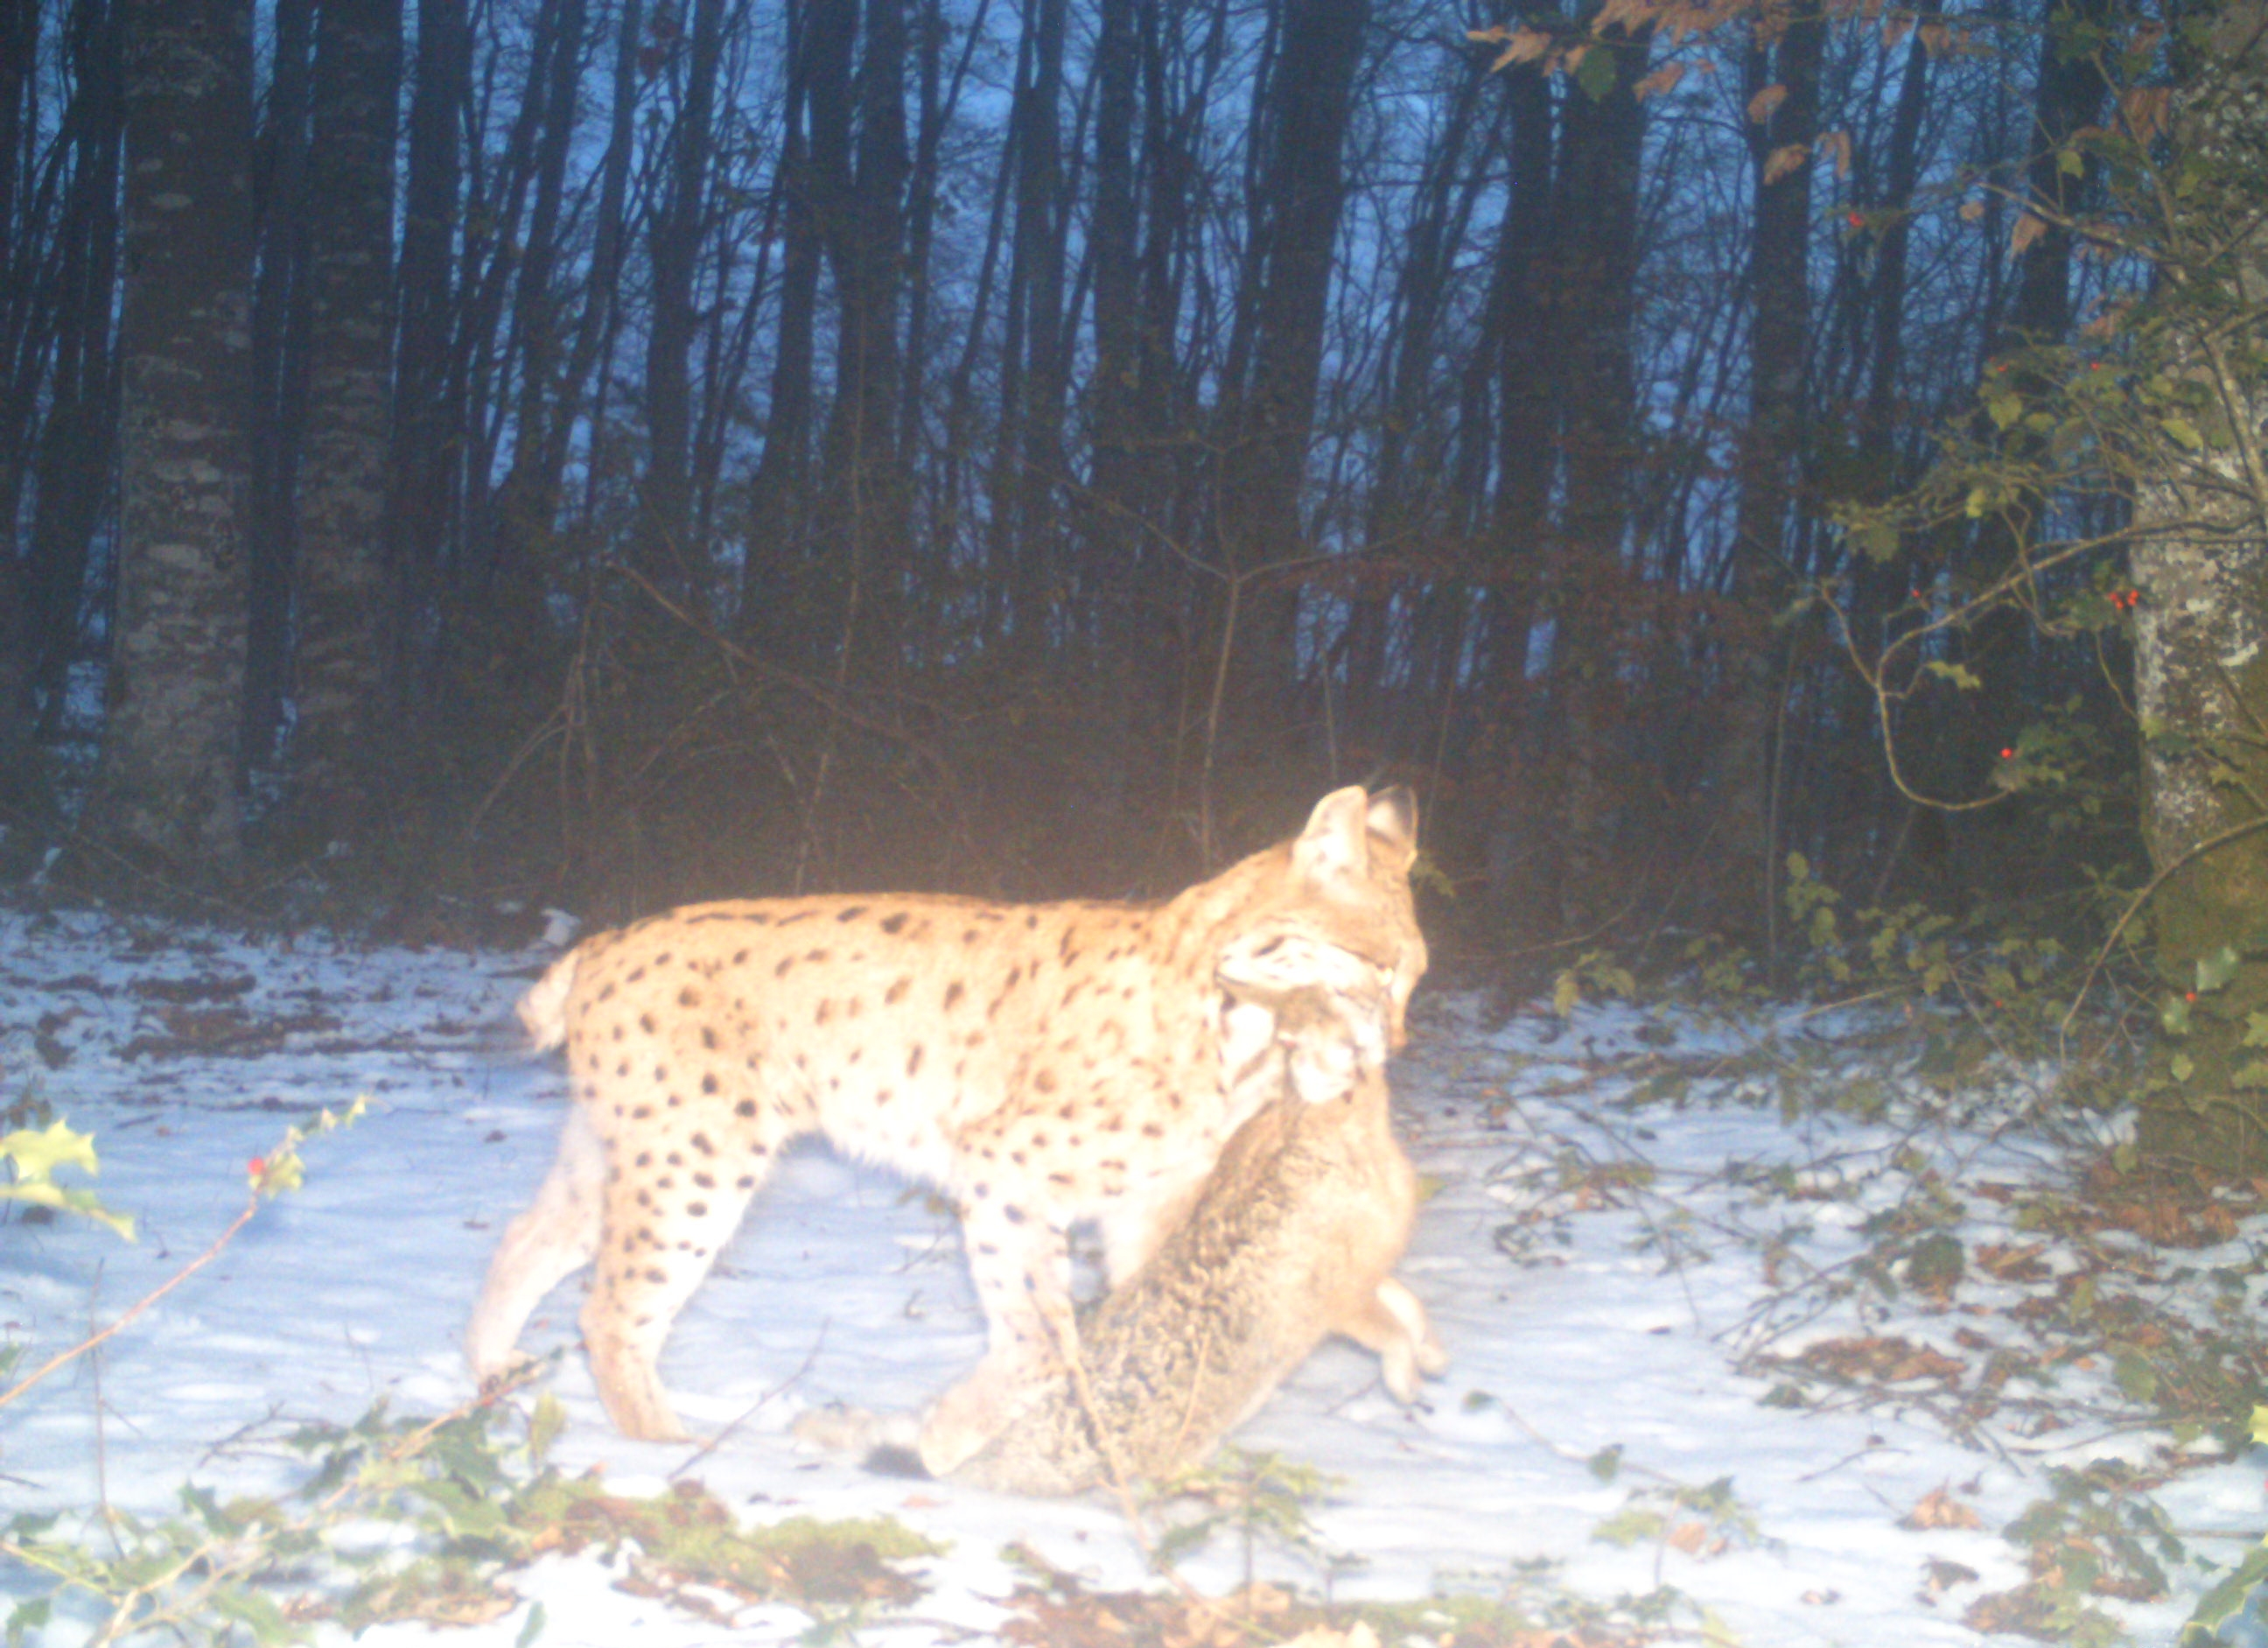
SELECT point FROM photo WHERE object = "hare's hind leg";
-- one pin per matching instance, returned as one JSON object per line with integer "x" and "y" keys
{"x": 1394, "y": 1324}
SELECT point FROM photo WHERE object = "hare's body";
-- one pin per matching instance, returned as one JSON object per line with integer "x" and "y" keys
{"x": 1292, "y": 1237}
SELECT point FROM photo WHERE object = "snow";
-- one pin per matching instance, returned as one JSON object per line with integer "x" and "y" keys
{"x": 1600, "y": 1269}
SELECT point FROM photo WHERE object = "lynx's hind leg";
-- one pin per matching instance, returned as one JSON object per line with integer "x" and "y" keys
{"x": 554, "y": 1238}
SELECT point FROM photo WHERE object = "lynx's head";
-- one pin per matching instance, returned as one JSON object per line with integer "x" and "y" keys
{"x": 1333, "y": 912}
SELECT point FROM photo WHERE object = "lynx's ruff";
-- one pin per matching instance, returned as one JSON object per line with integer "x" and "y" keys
{"x": 1045, "y": 1064}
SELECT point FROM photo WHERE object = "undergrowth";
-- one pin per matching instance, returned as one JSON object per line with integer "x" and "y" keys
{"x": 2108, "y": 1295}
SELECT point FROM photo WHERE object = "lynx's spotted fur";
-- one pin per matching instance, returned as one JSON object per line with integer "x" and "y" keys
{"x": 1045, "y": 1064}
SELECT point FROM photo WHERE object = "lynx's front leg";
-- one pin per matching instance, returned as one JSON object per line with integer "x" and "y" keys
{"x": 1020, "y": 1263}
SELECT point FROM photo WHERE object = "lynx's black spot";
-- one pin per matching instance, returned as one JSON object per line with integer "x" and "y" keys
{"x": 1015, "y": 1215}
{"x": 954, "y": 991}
{"x": 969, "y": 935}
{"x": 817, "y": 955}
{"x": 635, "y": 973}
{"x": 607, "y": 994}
{"x": 790, "y": 921}
{"x": 688, "y": 997}
{"x": 894, "y": 924}
{"x": 709, "y": 1084}
{"x": 645, "y": 1023}
{"x": 982, "y": 1191}
{"x": 708, "y": 1038}
{"x": 745, "y": 1181}
{"x": 785, "y": 962}
{"x": 745, "y": 1108}
{"x": 702, "y": 1181}
{"x": 1151, "y": 1130}
{"x": 826, "y": 1011}
{"x": 850, "y": 913}
{"x": 664, "y": 959}
{"x": 913, "y": 1060}
{"x": 1045, "y": 1081}
{"x": 896, "y": 993}
{"x": 698, "y": 1209}
{"x": 656, "y": 1274}
{"x": 700, "y": 1144}
{"x": 881, "y": 1097}
{"x": 758, "y": 917}
{"x": 674, "y": 1159}
{"x": 643, "y": 1113}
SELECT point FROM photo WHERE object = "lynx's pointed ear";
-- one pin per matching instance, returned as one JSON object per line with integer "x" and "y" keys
{"x": 1332, "y": 845}
{"x": 1393, "y": 823}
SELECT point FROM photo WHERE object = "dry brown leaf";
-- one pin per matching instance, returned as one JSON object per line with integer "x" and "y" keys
{"x": 2030, "y": 227}
{"x": 1896, "y": 28}
{"x": 1936, "y": 38}
{"x": 2147, "y": 110}
{"x": 1789, "y": 157}
{"x": 1689, "y": 1537}
{"x": 1663, "y": 79}
{"x": 1762, "y": 105}
{"x": 1938, "y": 1509}
{"x": 1525, "y": 45}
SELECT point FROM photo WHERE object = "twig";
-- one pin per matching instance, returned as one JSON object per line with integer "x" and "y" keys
{"x": 747, "y": 1413}
{"x": 64, "y": 1357}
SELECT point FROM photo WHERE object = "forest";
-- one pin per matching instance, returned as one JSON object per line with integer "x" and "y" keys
{"x": 618, "y": 452}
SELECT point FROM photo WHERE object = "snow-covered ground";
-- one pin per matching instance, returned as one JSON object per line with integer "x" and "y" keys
{"x": 1600, "y": 1270}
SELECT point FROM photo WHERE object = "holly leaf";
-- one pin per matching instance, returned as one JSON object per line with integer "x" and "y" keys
{"x": 35, "y": 1155}
{"x": 2216, "y": 969}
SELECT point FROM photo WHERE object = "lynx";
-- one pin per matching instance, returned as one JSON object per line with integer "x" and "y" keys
{"x": 1045, "y": 1064}
{"x": 1292, "y": 1237}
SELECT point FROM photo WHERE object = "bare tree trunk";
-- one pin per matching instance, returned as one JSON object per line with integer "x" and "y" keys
{"x": 1592, "y": 304}
{"x": 428, "y": 421}
{"x": 76, "y": 445}
{"x": 1298, "y": 196}
{"x": 167, "y": 782}
{"x": 279, "y": 371}
{"x": 673, "y": 244}
{"x": 1783, "y": 62}
{"x": 349, "y": 429}
{"x": 2201, "y": 629}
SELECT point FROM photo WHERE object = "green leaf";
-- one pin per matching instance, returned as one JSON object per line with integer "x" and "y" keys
{"x": 1595, "y": 74}
{"x": 2183, "y": 1067}
{"x": 36, "y": 1156}
{"x": 531, "y": 1628}
{"x": 2135, "y": 1376}
{"x": 2182, "y": 432}
{"x": 2005, "y": 408}
{"x": 2253, "y": 1074}
{"x": 2216, "y": 969}
{"x": 1960, "y": 674}
{"x": 1566, "y": 992}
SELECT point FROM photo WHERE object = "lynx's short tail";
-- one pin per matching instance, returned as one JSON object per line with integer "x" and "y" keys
{"x": 544, "y": 1009}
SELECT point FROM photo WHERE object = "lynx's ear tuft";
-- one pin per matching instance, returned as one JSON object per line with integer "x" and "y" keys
{"x": 1333, "y": 844}
{"x": 1392, "y": 824}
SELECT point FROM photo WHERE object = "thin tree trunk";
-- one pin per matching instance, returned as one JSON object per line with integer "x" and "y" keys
{"x": 167, "y": 782}
{"x": 1786, "y": 60}
{"x": 348, "y": 437}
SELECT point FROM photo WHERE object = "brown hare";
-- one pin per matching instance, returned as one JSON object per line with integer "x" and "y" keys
{"x": 1291, "y": 1238}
